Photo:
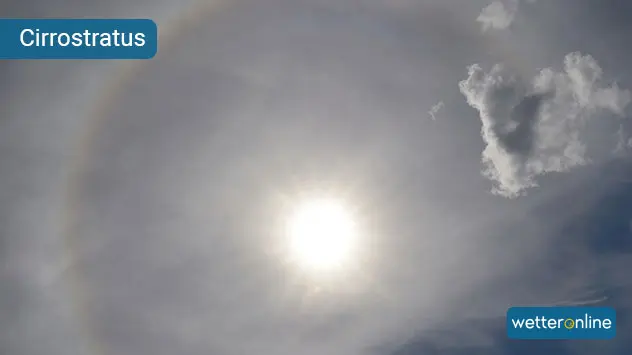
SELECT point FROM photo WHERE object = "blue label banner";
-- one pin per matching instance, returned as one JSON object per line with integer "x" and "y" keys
{"x": 78, "y": 39}
{"x": 561, "y": 323}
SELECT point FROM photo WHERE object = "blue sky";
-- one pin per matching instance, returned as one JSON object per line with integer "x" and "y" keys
{"x": 485, "y": 146}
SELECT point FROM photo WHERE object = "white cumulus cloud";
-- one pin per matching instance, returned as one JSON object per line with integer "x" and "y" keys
{"x": 532, "y": 127}
{"x": 498, "y": 14}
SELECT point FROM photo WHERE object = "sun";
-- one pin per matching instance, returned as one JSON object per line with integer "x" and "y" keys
{"x": 322, "y": 234}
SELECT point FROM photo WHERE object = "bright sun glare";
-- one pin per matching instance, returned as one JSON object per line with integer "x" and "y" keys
{"x": 322, "y": 234}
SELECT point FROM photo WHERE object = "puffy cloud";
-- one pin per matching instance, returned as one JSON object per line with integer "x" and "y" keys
{"x": 534, "y": 127}
{"x": 498, "y": 15}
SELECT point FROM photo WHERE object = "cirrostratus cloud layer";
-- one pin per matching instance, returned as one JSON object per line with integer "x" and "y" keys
{"x": 534, "y": 127}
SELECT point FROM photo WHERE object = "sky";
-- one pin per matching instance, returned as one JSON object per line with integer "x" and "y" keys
{"x": 485, "y": 146}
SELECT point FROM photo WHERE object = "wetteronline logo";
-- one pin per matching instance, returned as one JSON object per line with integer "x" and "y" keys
{"x": 561, "y": 323}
